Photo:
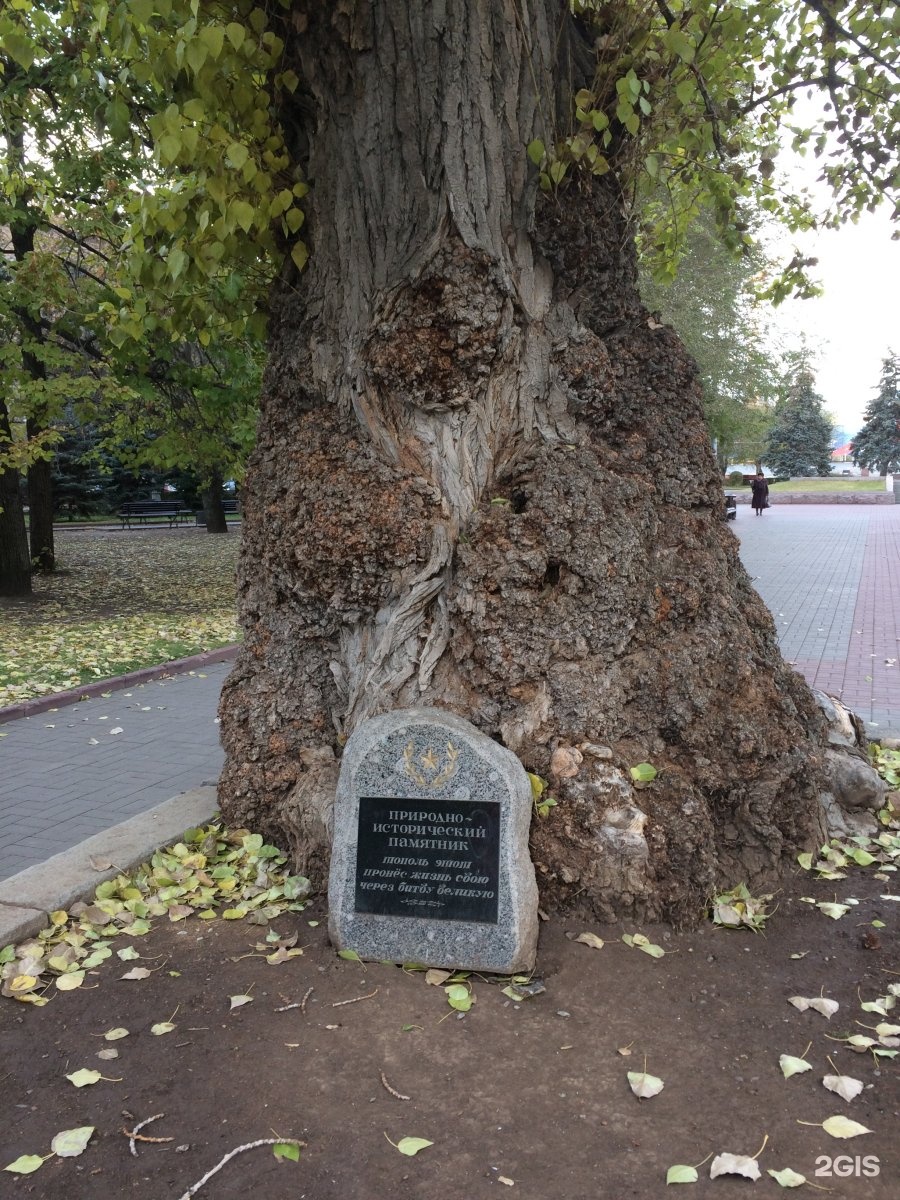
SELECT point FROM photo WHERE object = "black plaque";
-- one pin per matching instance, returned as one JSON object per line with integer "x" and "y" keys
{"x": 437, "y": 859}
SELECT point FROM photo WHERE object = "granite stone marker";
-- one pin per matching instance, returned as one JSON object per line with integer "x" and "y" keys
{"x": 429, "y": 857}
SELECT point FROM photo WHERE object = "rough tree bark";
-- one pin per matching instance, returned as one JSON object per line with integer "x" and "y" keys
{"x": 40, "y": 479}
{"x": 483, "y": 482}
{"x": 40, "y": 508}
{"x": 15, "y": 568}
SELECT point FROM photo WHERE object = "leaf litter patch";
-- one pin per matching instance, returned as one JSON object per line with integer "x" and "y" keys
{"x": 211, "y": 872}
{"x": 122, "y": 601}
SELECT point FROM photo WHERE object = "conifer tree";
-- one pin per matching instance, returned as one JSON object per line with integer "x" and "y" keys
{"x": 877, "y": 445}
{"x": 799, "y": 442}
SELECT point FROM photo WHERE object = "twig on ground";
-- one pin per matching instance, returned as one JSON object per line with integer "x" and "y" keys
{"x": 194, "y": 1188}
{"x": 301, "y": 1005}
{"x": 355, "y": 1000}
{"x": 393, "y": 1091}
{"x": 134, "y": 1136}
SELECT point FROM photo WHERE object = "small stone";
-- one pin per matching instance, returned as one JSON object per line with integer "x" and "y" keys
{"x": 595, "y": 751}
{"x": 853, "y": 783}
{"x": 565, "y": 762}
{"x": 526, "y": 991}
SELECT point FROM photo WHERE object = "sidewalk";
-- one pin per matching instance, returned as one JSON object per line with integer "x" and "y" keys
{"x": 830, "y": 576}
{"x": 65, "y": 774}
{"x": 826, "y": 572}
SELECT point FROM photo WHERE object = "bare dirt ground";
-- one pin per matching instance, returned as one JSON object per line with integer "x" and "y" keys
{"x": 529, "y": 1099}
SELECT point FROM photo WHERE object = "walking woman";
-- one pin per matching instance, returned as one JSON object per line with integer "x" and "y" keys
{"x": 760, "y": 498}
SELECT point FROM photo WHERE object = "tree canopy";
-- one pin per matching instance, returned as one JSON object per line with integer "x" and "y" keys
{"x": 92, "y": 309}
{"x": 877, "y": 445}
{"x": 691, "y": 100}
{"x": 176, "y": 126}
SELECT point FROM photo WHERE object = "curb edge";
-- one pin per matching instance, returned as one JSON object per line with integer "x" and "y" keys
{"x": 27, "y": 898}
{"x": 176, "y": 666}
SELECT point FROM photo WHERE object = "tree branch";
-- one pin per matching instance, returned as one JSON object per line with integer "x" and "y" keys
{"x": 833, "y": 25}
{"x": 711, "y": 111}
{"x": 80, "y": 242}
{"x": 816, "y": 81}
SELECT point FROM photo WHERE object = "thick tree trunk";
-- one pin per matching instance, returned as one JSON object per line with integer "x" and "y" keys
{"x": 212, "y": 505}
{"x": 40, "y": 508}
{"x": 23, "y": 227}
{"x": 483, "y": 482}
{"x": 15, "y": 568}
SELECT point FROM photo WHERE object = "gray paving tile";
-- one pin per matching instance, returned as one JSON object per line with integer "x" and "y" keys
{"x": 827, "y": 574}
{"x": 56, "y": 789}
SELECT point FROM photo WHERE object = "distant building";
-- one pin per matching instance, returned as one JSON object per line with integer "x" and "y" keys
{"x": 842, "y": 462}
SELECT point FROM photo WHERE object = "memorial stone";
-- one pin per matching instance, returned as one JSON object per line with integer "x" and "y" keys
{"x": 429, "y": 857}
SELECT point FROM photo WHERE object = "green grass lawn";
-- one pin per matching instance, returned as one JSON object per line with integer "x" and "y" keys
{"x": 120, "y": 601}
{"x": 822, "y": 485}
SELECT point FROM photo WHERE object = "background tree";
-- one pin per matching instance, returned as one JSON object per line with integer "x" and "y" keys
{"x": 713, "y": 305}
{"x": 799, "y": 440}
{"x": 194, "y": 410}
{"x": 56, "y": 158}
{"x": 91, "y": 479}
{"x": 15, "y": 566}
{"x": 877, "y": 445}
{"x": 80, "y": 484}
{"x": 84, "y": 292}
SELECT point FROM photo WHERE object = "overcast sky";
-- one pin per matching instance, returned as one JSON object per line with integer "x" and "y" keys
{"x": 856, "y": 322}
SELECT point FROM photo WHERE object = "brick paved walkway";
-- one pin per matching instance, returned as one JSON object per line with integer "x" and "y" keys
{"x": 65, "y": 775}
{"x": 831, "y": 578}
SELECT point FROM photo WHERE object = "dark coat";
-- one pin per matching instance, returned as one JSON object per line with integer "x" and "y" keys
{"x": 760, "y": 493}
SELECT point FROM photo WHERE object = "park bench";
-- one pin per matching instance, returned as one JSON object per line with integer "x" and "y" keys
{"x": 142, "y": 511}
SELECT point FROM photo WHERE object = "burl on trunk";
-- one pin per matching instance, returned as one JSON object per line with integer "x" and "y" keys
{"x": 483, "y": 482}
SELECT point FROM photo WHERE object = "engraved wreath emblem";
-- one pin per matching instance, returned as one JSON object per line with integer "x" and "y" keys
{"x": 435, "y": 771}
